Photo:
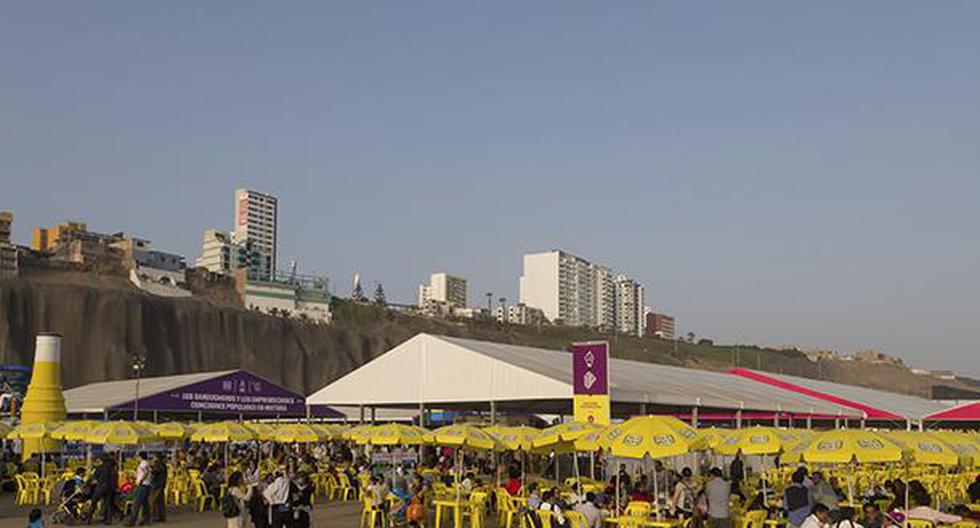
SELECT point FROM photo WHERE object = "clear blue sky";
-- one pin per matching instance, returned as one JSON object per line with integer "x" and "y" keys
{"x": 777, "y": 172}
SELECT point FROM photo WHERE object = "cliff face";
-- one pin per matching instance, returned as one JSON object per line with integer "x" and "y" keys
{"x": 103, "y": 319}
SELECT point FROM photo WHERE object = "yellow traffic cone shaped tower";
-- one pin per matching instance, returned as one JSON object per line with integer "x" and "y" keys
{"x": 44, "y": 401}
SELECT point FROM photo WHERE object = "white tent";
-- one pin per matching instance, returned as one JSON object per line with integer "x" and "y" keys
{"x": 444, "y": 371}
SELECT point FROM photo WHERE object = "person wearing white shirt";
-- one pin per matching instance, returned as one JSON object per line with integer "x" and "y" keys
{"x": 141, "y": 498}
{"x": 277, "y": 495}
{"x": 549, "y": 504}
{"x": 818, "y": 518}
{"x": 591, "y": 512}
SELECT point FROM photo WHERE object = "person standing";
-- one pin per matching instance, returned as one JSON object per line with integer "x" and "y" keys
{"x": 106, "y": 479}
{"x": 237, "y": 496}
{"x": 301, "y": 501}
{"x": 737, "y": 473}
{"x": 718, "y": 493}
{"x": 141, "y": 498}
{"x": 158, "y": 487}
{"x": 796, "y": 501}
{"x": 277, "y": 495}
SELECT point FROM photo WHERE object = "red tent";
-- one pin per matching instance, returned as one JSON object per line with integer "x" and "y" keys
{"x": 962, "y": 412}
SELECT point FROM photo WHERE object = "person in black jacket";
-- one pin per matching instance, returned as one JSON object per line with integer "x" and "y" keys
{"x": 301, "y": 501}
{"x": 106, "y": 479}
{"x": 158, "y": 487}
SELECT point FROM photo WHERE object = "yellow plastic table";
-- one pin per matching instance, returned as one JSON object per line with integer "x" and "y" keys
{"x": 455, "y": 506}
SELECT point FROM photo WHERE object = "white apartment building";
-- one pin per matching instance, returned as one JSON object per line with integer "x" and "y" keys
{"x": 443, "y": 288}
{"x": 222, "y": 253}
{"x": 630, "y": 311}
{"x": 573, "y": 291}
{"x": 256, "y": 221}
{"x": 519, "y": 314}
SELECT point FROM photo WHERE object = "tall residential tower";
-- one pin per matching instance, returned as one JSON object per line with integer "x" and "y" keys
{"x": 256, "y": 222}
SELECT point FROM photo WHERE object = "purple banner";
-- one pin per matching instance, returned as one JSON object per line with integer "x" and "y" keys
{"x": 238, "y": 392}
{"x": 590, "y": 368}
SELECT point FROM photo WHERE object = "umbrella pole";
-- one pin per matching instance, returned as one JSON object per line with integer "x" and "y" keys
{"x": 765, "y": 482}
{"x": 617, "y": 492}
{"x": 592, "y": 465}
{"x": 459, "y": 471}
{"x": 578, "y": 476}
{"x": 656, "y": 493}
{"x": 42, "y": 465}
{"x": 850, "y": 485}
{"x": 523, "y": 461}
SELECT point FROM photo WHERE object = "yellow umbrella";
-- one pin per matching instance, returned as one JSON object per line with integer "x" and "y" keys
{"x": 756, "y": 441}
{"x": 461, "y": 435}
{"x": 713, "y": 436}
{"x": 514, "y": 438}
{"x": 358, "y": 434}
{"x": 326, "y": 432}
{"x": 564, "y": 432}
{"x": 121, "y": 433}
{"x": 262, "y": 431}
{"x": 966, "y": 447}
{"x": 651, "y": 436}
{"x": 74, "y": 431}
{"x": 396, "y": 434}
{"x": 173, "y": 430}
{"x": 925, "y": 448}
{"x": 34, "y": 431}
{"x": 296, "y": 433}
{"x": 843, "y": 446}
{"x": 222, "y": 432}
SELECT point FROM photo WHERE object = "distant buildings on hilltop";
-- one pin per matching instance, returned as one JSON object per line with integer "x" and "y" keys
{"x": 661, "y": 325}
{"x": 572, "y": 291}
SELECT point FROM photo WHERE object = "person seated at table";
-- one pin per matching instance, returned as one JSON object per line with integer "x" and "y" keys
{"x": 897, "y": 490}
{"x": 843, "y": 518}
{"x": 920, "y": 503}
{"x": 819, "y": 517}
{"x": 685, "y": 492}
{"x": 513, "y": 485}
{"x": 639, "y": 492}
{"x": 873, "y": 518}
{"x": 973, "y": 490}
{"x": 624, "y": 477}
{"x": 549, "y": 503}
{"x": 466, "y": 486}
{"x": 590, "y": 510}
{"x": 822, "y": 492}
{"x": 796, "y": 500}
{"x": 835, "y": 485}
{"x": 534, "y": 496}
{"x": 875, "y": 491}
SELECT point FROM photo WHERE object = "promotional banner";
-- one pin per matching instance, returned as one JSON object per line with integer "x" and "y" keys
{"x": 232, "y": 393}
{"x": 590, "y": 382}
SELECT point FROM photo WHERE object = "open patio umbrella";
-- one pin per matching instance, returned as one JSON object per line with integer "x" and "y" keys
{"x": 396, "y": 434}
{"x": 35, "y": 431}
{"x": 298, "y": 433}
{"x": 559, "y": 439}
{"x": 713, "y": 436}
{"x": 761, "y": 441}
{"x": 515, "y": 438}
{"x": 966, "y": 447}
{"x": 843, "y": 446}
{"x": 924, "y": 448}
{"x": 218, "y": 432}
{"x": 173, "y": 430}
{"x": 121, "y": 433}
{"x": 359, "y": 434}
{"x": 461, "y": 436}
{"x": 74, "y": 430}
{"x": 653, "y": 437}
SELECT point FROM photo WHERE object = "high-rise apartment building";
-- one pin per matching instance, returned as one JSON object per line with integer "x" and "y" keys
{"x": 443, "y": 288}
{"x": 8, "y": 252}
{"x": 630, "y": 317}
{"x": 256, "y": 223}
{"x": 222, "y": 253}
{"x": 6, "y": 225}
{"x": 661, "y": 325}
{"x": 576, "y": 292}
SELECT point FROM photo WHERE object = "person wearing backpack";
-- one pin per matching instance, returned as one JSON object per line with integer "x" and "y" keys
{"x": 233, "y": 503}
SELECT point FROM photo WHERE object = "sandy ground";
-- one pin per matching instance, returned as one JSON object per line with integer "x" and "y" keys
{"x": 334, "y": 514}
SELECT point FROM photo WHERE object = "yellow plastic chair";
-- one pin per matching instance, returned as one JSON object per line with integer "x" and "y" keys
{"x": 202, "y": 495}
{"x": 370, "y": 514}
{"x": 344, "y": 488}
{"x": 920, "y": 523}
{"x": 576, "y": 519}
{"x": 753, "y": 519}
{"x": 507, "y": 509}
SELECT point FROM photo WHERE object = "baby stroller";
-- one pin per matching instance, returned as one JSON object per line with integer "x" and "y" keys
{"x": 73, "y": 499}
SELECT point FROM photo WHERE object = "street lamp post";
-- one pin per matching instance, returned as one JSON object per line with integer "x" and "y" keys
{"x": 139, "y": 363}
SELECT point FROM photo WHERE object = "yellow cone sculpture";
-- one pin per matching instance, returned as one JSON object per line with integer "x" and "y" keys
{"x": 44, "y": 401}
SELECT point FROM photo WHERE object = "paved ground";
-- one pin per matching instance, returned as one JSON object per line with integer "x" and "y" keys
{"x": 334, "y": 515}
